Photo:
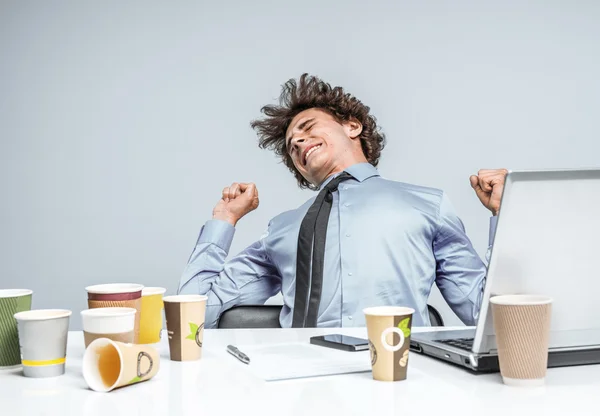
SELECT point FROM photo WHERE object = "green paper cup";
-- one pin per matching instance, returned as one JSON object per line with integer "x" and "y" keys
{"x": 11, "y": 302}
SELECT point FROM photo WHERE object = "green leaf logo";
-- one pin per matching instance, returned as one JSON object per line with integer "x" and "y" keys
{"x": 136, "y": 379}
{"x": 193, "y": 330}
{"x": 403, "y": 326}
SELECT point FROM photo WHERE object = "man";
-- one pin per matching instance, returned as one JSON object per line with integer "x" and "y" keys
{"x": 362, "y": 241}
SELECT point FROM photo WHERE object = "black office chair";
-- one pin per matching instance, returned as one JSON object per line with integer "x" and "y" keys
{"x": 267, "y": 316}
{"x": 435, "y": 318}
{"x": 251, "y": 316}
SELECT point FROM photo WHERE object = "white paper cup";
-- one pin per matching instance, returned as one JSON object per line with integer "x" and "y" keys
{"x": 43, "y": 337}
{"x": 117, "y": 324}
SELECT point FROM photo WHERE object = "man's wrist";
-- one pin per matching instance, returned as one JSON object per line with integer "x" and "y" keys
{"x": 228, "y": 218}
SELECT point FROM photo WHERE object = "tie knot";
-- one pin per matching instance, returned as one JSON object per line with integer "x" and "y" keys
{"x": 332, "y": 186}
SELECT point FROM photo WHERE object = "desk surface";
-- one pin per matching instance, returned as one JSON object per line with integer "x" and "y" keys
{"x": 218, "y": 385}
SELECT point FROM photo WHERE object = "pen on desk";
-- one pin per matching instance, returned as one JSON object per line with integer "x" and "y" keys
{"x": 238, "y": 354}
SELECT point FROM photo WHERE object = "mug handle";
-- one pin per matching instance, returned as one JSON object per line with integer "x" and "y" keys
{"x": 392, "y": 348}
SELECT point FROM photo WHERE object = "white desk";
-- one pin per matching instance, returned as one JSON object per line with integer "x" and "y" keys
{"x": 218, "y": 385}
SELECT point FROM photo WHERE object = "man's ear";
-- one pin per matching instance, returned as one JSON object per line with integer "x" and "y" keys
{"x": 353, "y": 128}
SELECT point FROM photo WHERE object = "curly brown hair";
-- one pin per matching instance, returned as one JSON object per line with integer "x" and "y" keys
{"x": 312, "y": 92}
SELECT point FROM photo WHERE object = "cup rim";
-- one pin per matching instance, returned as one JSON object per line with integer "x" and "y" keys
{"x": 112, "y": 288}
{"x": 388, "y": 310}
{"x": 149, "y": 291}
{"x": 520, "y": 300}
{"x": 13, "y": 293}
{"x": 185, "y": 298}
{"x": 85, "y": 366}
{"x": 41, "y": 314}
{"x": 108, "y": 312}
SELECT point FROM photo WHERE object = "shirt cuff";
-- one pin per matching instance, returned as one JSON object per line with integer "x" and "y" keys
{"x": 493, "y": 221}
{"x": 217, "y": 232}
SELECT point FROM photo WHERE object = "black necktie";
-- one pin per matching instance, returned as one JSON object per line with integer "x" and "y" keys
{"x": 311, "y": 239}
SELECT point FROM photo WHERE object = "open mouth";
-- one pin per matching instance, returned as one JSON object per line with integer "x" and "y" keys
{"x": 309, "y": 152}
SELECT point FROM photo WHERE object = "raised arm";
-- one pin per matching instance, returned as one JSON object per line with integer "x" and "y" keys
{"x": 247, "y": 278}
{"x": 460, "y": 272}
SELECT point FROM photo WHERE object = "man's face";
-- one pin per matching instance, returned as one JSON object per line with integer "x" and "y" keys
{"x": 320, "y": 146}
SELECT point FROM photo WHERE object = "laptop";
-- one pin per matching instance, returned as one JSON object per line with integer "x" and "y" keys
{"x": 547, "y": 242}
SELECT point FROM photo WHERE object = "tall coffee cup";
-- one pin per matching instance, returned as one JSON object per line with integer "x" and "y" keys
{"x": 389, "y": 329}
{"x": 522, "y": 329}
{"x": 185, "y": 325}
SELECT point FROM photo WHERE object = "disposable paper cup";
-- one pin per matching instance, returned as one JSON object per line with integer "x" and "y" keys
{"x": 127, "y": 295}
{"x": 522, "y": 327}
{"x": 109, "y": 364}
{"x": 117, "y": 324}
{"x": 11, "y": 302}
{"x": 185, "y": 326}
{"x": 389, "y": 328}
{"x": 43, "y": 339}
{"x": 151, "y": 321}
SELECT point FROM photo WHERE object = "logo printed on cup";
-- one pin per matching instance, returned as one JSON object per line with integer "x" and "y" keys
{"x": 141, "y": 355}
{"x": 373, "y": 352}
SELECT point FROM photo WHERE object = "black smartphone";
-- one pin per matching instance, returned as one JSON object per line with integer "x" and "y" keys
{"x": 341, "y": 342}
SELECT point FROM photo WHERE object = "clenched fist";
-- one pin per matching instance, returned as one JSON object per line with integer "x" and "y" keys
{"x": 488, "y": 185}
{"x": 237, "y": 200}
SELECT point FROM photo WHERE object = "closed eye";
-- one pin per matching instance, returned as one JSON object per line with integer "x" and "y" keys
{"x": 305, "y": 129}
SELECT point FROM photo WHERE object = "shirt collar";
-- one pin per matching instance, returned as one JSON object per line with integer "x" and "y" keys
{"x": 359, "y": 171}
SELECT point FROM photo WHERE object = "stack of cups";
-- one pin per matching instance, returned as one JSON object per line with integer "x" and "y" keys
{"x": 185, "y": 316}
{"x": 127, "y": 295}
{"x": 522, "y": 328}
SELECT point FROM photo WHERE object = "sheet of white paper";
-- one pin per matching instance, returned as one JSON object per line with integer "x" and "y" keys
{"x": 297, "y": 360}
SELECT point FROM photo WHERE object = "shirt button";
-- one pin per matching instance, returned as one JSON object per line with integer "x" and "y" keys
{"x": 349, "y": 318}
{"x": 347, "y": 235}
{"x": 349, "y": 273}
{"x": 346, "y": 205}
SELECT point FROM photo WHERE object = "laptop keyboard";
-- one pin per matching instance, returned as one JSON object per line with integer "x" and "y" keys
{"x": 462, "y": 343}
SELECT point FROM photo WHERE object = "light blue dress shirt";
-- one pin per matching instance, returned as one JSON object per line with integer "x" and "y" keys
{"x": 387, "y": 243}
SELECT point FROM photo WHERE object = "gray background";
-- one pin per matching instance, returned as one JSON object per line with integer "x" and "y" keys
{"x": 121, "y": 123}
